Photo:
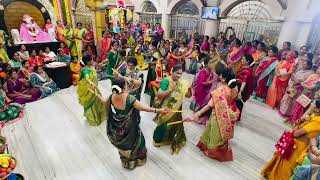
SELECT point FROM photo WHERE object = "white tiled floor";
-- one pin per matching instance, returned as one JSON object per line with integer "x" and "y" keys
{"x": 54, "y": 142}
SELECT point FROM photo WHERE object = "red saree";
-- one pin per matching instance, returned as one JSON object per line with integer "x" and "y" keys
{"x": 105, "y": 47}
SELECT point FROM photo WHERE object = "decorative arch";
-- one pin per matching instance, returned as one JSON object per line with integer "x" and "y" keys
{"x": 174, "y": 5}
{"x": 250, "y": 10}
{"x": 274, "y": 7}
{"x": 43, "y": 5}
{"x": 148, "y": 7}
{"x": 141, "y": 3}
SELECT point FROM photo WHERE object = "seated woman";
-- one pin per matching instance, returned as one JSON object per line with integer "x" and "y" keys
{"x": 25, "y": 71}
{"x": 205, "y": 81}
{"x": 49, "y": 55}
{"x": 8, "y": 111}
{"x": 75, "y": 68}
{"x": 62, "y": 57}
{"x": 214, "y": 139}
{"x": 35, "y": 60}
{"x": 281, "y": 168}
{"x": 66, "y": 51}
{"x": 40, "y": 79}
{"x": 309, "y": 169}
{"x": 15, "y": 62}
{"x": 295, "y": 88}
{"x": 20, "y": 92}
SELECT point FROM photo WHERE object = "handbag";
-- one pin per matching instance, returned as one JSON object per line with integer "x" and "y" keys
{"x": 285, "y": 145}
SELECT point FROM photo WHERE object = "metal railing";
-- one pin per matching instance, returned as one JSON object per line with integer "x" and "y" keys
{"x": 184, "y": 24}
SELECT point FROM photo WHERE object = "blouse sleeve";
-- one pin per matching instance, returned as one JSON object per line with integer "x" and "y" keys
{"x": 164, "y": 84}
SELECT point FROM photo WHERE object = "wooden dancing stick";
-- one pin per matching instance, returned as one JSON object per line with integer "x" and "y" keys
{"x": 115, "y": 70}
{"x": 173, "y": 123}
{"x": 177, "y": 111}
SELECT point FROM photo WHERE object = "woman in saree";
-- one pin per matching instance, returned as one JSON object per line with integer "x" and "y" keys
{"x": 279, "y": 168}
{"x": 79, "y": 34}
{"x": 133, "y": 78}
{"x": 112, "y": 59}
{"x": 19, "y": 92}
{"x": 173, "y": 58}
{"x": 245, "y": 77}
{"x": 60, "y": 32}
{"x": 311, "y": 87}
{"x": 87, "y": 93}
{"x": 205, "y": 81}
{"x": 214, "y": 140}
{"x": 283, "y": 72}
{"x": 75, "y": 69}
{"x": 309, "y": 169}
{"x": 4, "y": 58}
{"x": 295, "y": 88}
{"x": 235, "y": 55}
{"x": 265, "y": 73}
{"x": 170, "y": 95}
{"x": 41, "y": 80}
{"x": 88, "y": 39}
{"x": 123, "y": 119}
{"x": 259, "y": 53}
{"x": 70, "y": 40}
{"x": 25, "y": 71}
{"x": 105, "y": 45}
{"x": 23, "y": 53}
{"x": 8, "y": 111}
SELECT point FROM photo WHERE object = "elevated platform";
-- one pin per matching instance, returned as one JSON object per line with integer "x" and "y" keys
{"x": 54, "y": 46}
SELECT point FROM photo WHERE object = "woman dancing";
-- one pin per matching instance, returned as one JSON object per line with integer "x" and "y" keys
{"x": 87, "y": 90}
{"x": 123, "y": 118}
{"x": 171, "y": 94}
{"x": 214, "y": 140}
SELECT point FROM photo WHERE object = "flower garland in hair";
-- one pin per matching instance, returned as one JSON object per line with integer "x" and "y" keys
{"x": 116, "y": 87}
{"x": 231, "y": 81}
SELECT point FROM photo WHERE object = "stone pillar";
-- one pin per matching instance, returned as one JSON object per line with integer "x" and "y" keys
{"x": 212, "y": 28}
{"x": 165, "y": 25}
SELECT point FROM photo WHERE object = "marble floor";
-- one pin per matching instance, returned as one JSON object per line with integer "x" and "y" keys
{"x": 54, "y": 142}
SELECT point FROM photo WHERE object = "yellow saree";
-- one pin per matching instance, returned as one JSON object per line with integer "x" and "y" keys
{"x": 282, "y": 169}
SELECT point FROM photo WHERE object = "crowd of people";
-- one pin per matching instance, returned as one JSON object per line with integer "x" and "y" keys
{"x": 227, "y": 73}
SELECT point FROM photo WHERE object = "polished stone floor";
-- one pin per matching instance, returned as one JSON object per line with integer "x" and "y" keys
{"x": 54, "y": 142}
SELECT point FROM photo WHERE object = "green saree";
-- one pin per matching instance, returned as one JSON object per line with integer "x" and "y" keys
{"x": 171, "y": 135}
{"x": 112, "y": 61}
{"x": 93, "y": 107}
{"x": 125, "y": 134}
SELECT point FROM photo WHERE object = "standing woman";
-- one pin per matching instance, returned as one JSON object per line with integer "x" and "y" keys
{"x": 105, "y": 45}
{"x": 214, "y": 139}
{"x": 70, "y": 36}
{"x": 79, "y": 34}
{"x": 205, "y": 80}
{"x": 123, "y": 119}
{"x": 283, "y": 72}
{"x": 87, "y": 90}
{"x": 265, "y": 73}
{"x": 112, "y": 59}
{"x": 295, "y": 88}
{"x": 60, "y": 32}
{"x": 259, "y": 53}
{"x": 245, "y": 76}
{"x": 171, "y": 94}
{"x": 235, "y": 55}
{"x": 88, "y": 39}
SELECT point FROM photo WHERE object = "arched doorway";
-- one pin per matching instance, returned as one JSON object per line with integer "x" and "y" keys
{"x": 82, "y": 13}
{"x": 252, "y": 20}
{"x": 149, "y": 13}
{"x": 314, "y": 36}
{"x": 185, "y": 20}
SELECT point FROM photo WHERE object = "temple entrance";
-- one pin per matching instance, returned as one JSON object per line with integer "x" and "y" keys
{"x": 82, "y": 13}
{"x": 149, "y": 14}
